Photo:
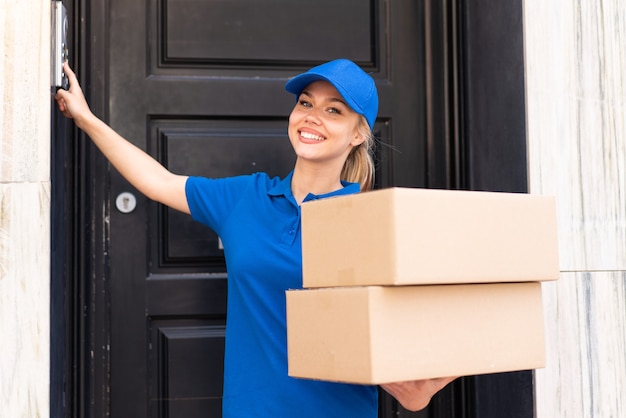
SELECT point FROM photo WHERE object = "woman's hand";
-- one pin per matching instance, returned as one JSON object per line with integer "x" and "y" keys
{"x": 416, "y": 394}
{"x": 72, "y": 102}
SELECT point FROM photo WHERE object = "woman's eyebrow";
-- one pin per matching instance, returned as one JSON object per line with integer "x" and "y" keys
{"x": 332, "y": 99}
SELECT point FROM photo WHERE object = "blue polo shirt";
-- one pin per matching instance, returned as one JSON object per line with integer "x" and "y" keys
{"x": 258, "y": 220}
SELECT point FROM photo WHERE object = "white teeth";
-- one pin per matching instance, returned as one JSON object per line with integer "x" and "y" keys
{"x": 308, "y": 135}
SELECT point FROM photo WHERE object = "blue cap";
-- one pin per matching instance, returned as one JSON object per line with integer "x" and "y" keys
{"x": 355, "y": 86}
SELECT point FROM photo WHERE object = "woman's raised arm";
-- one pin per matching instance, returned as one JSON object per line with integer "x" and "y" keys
{"x": 135, "y": 165}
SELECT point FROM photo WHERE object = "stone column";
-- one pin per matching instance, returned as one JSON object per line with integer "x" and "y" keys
{"x": 24, "y": 208}
{"x": 576, "y": 90}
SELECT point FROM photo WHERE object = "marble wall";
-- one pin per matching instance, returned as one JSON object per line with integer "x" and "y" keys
{"x": 576, "y": 93}
{"x": 24, "y": 208}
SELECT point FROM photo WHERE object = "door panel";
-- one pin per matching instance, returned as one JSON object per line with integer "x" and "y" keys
{"x": 200, "y": 86}
{"x": 188, "y": 363}
{"x": 236, "y": 31}
{"x": 197, "y": 147}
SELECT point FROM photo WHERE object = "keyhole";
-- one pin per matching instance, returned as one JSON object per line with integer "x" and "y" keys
{"x": 126, "y": 202}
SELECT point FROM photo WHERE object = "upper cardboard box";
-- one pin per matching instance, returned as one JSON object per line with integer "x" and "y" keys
{"x": 402, "y": 236}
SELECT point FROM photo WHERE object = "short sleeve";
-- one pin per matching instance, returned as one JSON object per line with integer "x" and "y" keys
{"x": 212, "y": 200}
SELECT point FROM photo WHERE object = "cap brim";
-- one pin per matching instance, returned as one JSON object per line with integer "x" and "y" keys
{"x": 299, "y": 83}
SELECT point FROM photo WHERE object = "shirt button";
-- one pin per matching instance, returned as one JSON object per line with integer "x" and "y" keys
{"x": 291, "y": 232}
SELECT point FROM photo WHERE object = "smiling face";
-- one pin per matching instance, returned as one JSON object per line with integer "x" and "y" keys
{"x": 322, "y": 127}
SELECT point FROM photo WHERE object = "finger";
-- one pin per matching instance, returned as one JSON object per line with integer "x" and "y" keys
{"x": 445, "y": 380}
{"x": 71, "y": 76}
{"x": 60, "y": 97}
{"x": 63, "y": 106}
{"x": 67, "y": 68}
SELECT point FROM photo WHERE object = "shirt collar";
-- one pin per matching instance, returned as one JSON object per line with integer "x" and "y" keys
{"x": 284, "y": 189}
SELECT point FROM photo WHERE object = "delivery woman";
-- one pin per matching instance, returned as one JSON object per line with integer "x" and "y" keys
{"x": 258, "y": 220}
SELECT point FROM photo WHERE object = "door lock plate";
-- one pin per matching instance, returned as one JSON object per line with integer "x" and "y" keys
{"x": 126, "y": 202}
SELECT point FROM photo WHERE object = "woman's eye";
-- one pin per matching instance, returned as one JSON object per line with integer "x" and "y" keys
{"x": 334, "y": 111}
{"x": 304, "y": 103}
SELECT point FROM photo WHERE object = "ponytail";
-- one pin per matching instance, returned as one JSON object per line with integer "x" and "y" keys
{"x": 359, "y": 166}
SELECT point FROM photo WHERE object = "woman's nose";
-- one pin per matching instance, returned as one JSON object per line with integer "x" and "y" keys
{"x": 313, "y": 115}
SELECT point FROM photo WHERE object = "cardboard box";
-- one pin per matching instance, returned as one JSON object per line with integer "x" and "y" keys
{"x": 374, "y": 335}
{"x": 402, "y": 236}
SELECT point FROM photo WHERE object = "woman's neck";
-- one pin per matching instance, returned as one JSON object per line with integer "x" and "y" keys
{"x": 313, "y": 179}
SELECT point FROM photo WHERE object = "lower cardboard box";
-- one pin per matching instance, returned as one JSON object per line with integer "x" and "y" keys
{"x": 382, "y": 334}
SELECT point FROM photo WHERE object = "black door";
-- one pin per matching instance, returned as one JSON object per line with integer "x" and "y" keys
{"x": 199, "y": 85}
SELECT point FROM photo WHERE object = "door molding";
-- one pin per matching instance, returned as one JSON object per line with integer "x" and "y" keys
{"x": 477, "y": 101}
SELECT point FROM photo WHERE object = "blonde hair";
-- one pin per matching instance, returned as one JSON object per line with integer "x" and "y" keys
{"x": 359, "y": 166}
